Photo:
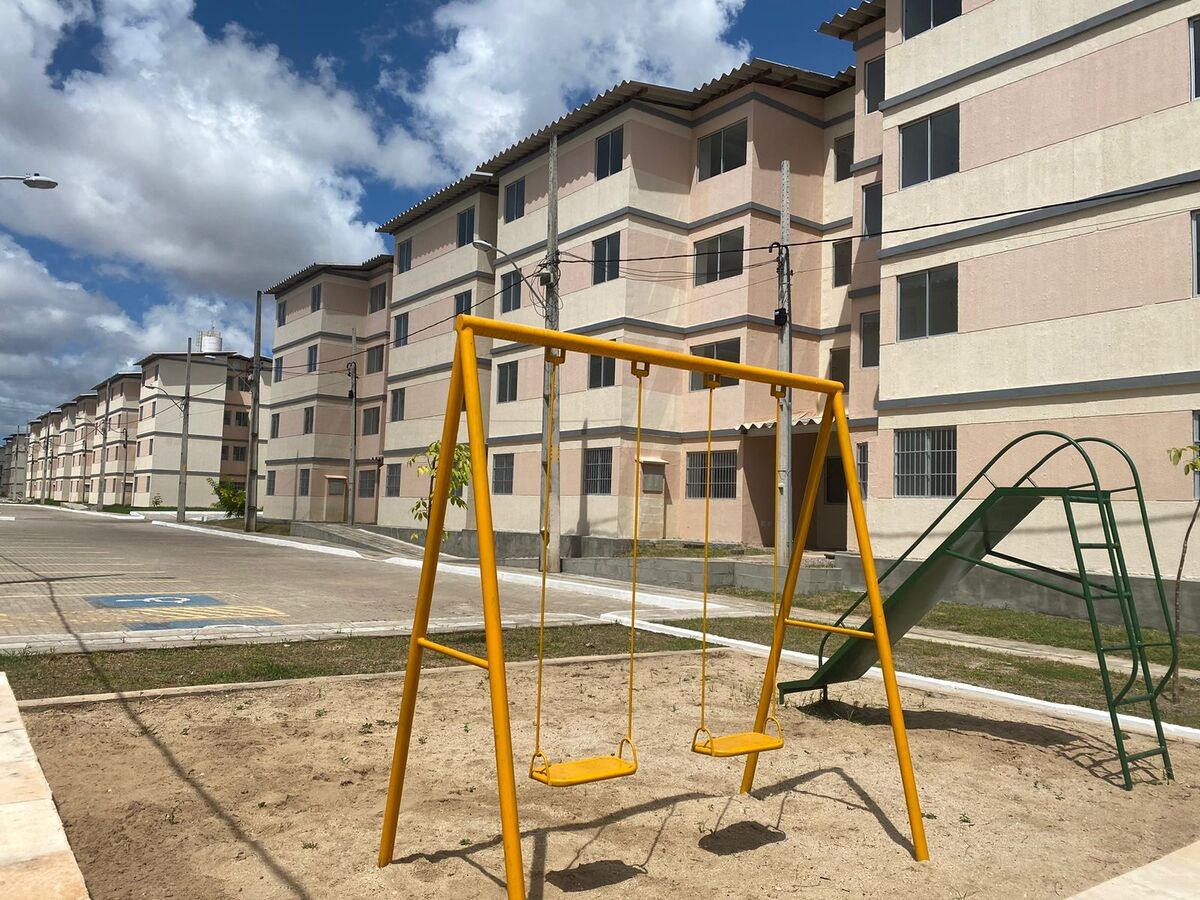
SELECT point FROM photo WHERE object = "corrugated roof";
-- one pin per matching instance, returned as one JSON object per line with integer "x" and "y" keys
{"x": 769, "y": 424}
{"x": 314, "y": 269}
{"x": 757, "y": 71}
{"x": 846, "y": 24}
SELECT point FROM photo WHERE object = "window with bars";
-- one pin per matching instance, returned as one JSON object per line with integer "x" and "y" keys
{"x": 868, "y": 333}
{"x": 610, "y": 153}
{"x": 400, "y": 330}
{"x": 462, "y": 303}
{"x": 602, "y": 371}
{"x": 929, "y": 148}
{"x": 729, "y": 351}
{"x": 928, "y": 303}
{"x": 396, "y": 413}
{"x": 843, "y": 156}
{"x": 862, "y": 460}
{"x": 835, "y": 482}
{"x": 926, "y": 462}
{"x": 722, "y": 151}
{"x": 724, "y": 475}
{"x": 503, "y": 465}
{"x": 466, "y": 226}
{"x": 366, "y": 483}
{"x": 506, "y": 382}
{"x": 375, "y": 359}
{"x": 370, "y": 420}
{"x": 510, "y": 291}
{"x": 597, "y": 470}
{"x": 391, "y": 486}
{"x": 377, "y": 298}
{"x": 606, "y": 258}
{"x": 403, "y": 256}
{"x": 719, "y": 257}
{"x": 843, "y": 257}
{"x": 514, "y": 200}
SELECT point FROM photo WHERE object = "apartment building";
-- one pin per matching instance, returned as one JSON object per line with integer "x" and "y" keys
{"x": 13, "y": 455}
{"x": 1075, "y": 312}
{"x": 321, "y": 312}
{"x": 115, "y": 434}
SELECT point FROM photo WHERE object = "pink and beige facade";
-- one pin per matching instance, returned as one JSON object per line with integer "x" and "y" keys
{"x": 994, "y": 229}
{"x": 13, "y": 462}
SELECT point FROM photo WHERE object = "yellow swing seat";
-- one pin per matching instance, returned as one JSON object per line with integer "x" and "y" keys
{"x": 738, "y": 744}
{"x": 583, "y": 771}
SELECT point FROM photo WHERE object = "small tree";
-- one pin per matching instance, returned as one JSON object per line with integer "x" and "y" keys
{"x": 427, "y": 465}
{"x": 230, "y": 498}
{"x": 1190, "y": 457}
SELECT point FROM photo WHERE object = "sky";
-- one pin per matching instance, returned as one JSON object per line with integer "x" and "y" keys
{"x": 208, "y": 148}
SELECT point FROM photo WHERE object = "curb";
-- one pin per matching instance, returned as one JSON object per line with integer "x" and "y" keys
{"x": 120, "y": 517}
{"x": 925, "y": 683}
{"x": 262, "y": 539}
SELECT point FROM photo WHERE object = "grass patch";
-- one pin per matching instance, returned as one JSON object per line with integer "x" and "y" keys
{"x": 1054, "y": 681}
{"x": 1031, "y": 627}
{"x": 35, "y": 675}
{"x": 281, "y": 528}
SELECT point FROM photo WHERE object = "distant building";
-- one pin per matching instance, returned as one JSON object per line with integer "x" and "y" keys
{"x": 12, "y": 466}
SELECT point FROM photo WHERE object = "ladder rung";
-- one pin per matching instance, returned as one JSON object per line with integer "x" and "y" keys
{"x": 1136, "y": 698}
{"x": 1097, "y": 546}
{"x": 1138, "y": 646}
{"x": 1143, "y": 754}
{"x": 835, "y": 629}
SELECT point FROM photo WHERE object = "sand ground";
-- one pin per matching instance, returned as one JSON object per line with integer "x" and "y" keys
{"x": 279, "y": 793}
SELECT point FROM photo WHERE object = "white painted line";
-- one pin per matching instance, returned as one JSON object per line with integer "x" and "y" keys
{"x": 261, "y": 539}
{"x": 8, "y": 518}
{"x": 921, "y": 682}
{"x": 130, "y": 517}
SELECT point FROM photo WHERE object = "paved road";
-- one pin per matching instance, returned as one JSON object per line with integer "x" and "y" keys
{"x": 66, "y": 577}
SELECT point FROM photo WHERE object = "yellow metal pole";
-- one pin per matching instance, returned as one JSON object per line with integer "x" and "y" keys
{"x": 879, "y": 625}
{"x": 412, "y": 672}
{"x": 510, "y": 827}
{"x": 800, "y": 538}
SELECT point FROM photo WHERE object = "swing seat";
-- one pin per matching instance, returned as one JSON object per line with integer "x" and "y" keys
{"x": 584, "y": 771}
{"x": 739, "y": 744}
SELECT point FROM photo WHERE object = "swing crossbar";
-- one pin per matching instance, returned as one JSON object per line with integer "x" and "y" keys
{"x": 583, "y": 771}
{"x": 832, "y": 629}
{"x": 452, "y": 653}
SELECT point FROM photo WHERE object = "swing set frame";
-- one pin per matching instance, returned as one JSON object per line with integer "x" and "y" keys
{"x": 464, "y": 388}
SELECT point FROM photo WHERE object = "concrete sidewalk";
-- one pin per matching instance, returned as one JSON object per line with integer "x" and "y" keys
{"x": 1175, "y": 876}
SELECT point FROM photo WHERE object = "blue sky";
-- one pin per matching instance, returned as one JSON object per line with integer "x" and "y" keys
{"x": 205, "y": 150}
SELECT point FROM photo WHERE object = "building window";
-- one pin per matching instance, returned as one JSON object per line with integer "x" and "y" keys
{"x": 1196, "y": 253}
{"x": 843, "y": 156}
{"x": 926, "y": 462}
{"x": 375, "y": 359}
{"x": 719, "y": 257}
{"x": 274, "y": 425}
{"x": 391, "y": 485}
{"x": 506, "y": 382}
{"x": 1196, "y": 441}
{"x": 400, "y": 330}
{"x": 502, "y": 473}
{"x": 872, "y": 202}
{"x": 224, "y": 451}
{"x": 278, "y": 369}
{"x": 305, "y": 474}
{"x": 403, "y": 256}
{"x": 868, "y": 334}
{"x": 862, "y": 459}
{"x": 270, "y": 484}
{"x": 377, "y": 298}
{"x": 514, "y": 200}
{"x": 312, "y": 358}
{"x": 397, "y": 405}
{"x": 602, "y": 371}
{"x": 606, "y": 258}
{"x": 241, "y": 419}
{"x": 310, "y": 414}
{"x": 929, "y": 148}
{"x": 839, "y": 367}
{"x": 723, "y": 475}
{"x": 466, "y": 226}
{"x": 723, "y": 150}
{"x": 729, "y": 351}
{"x": 835, "y": 482}
{"x": 315, "y": 298}
{"x": 873, "y": 86}
{"x": 1195, "y": 24}
{"x": 229, "y": 382}
{"x": 921, "y": 15}
{"x": 370, "y": 420}
{"x": 610, "y": 153}
{"x": 597, "y": 470}
{"x": 843, "y": 253}
{"x": 928, "y": 302}
{"x": 462, "y": 303}
{"x": 280, "y": 313}
{"x": 510, "y": 291}
{"x": 244, "y": 383}
{"x": 366, "y": 483}
{"x": 239, "y": 454}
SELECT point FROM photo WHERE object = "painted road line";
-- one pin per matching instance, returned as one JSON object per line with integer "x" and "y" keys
{"x": 924, "y": 683}
{"x": 8, "y": 518}
{"x": 130, "y": 517}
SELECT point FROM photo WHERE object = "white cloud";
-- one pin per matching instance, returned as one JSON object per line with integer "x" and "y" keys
{"x": 58, "y": 339}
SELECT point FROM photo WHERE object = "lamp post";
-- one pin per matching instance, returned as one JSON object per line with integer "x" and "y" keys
{"x": 36, "y": 181}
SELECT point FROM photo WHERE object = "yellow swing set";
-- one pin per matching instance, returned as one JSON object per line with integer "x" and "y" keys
{"x": 766, "y": 735}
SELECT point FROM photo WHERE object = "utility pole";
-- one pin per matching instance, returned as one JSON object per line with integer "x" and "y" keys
{"x": 124, "y": 466}
{"x": 783, "y": 319}
{"x": 104, "y": 441}
{"x": 181, "y": 504}
{"x": 352, "y": 371}
{"x": 552, "y": 524}
{"x": 252, "y": 457}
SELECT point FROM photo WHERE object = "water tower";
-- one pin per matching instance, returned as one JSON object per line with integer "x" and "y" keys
{"x": 210, "y": 341}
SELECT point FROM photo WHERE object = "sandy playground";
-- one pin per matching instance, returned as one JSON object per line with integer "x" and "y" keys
{"x": 279, "y": 792}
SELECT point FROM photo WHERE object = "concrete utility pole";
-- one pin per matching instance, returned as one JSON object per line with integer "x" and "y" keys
{"x": 783, "y": 319}
{"x": 550, "y": 472}
{"x": 103, "y": 433}
{"x": 124, "y": 466}
{"x": 181, "y": 504}
{"x": 352, "y": 371}
{"x": 252, "y": 456}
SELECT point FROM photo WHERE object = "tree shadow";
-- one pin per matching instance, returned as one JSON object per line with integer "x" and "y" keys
{"x": 287, "y": 881}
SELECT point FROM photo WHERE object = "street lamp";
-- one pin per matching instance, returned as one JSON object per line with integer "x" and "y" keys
{"x": 487, "y": 247}
{"x": 36, "y": 180}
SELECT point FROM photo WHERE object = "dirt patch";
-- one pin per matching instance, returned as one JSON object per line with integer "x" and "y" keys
{"x": 277, "y": 793}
